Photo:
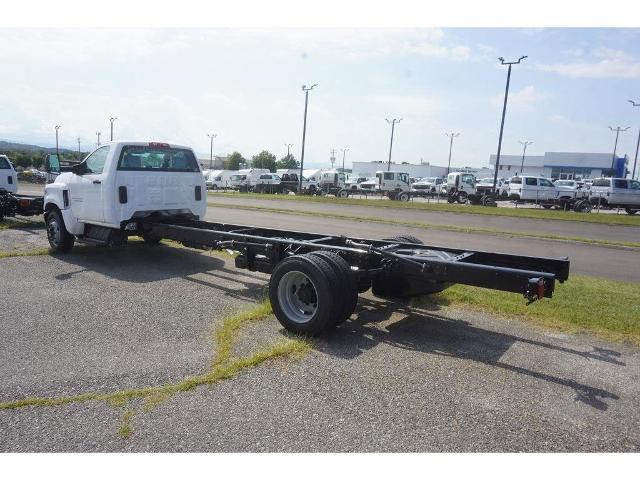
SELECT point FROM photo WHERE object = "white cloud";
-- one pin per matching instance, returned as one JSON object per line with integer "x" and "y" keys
{"x": 607, "y": 63}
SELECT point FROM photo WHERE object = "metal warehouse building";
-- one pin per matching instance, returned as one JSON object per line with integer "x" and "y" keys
{"x": 562, "y": 165}
{"x": 369, "y": 169}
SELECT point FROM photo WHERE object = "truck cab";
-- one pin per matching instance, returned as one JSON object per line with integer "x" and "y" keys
{"x": 119, "y": 183}
{"x": 396, "y": 185}
{"x": 529, "y": 188}
{"x": 8, "y": 175}
{"x": 460, "y": 186}
{"x": 616, "y": 192}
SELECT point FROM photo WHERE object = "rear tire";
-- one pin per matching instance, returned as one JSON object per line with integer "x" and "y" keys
{"x": 405, "y": 238}
{"x": 303, "y": 294}
{"x": 347, "y": 284}
{"x": 343, "y": 194}
{"x": 631, "y": 211}
{"x": 403, "y": 197}
{"x": 60, "y": 240}
{"x": 151, "y": 239}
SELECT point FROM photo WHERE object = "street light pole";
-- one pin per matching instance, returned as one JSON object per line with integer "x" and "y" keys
{"x": 98, "y": 135}
{"x": 288, "y": 145}
{"x": 344, "y": 154}
{"x": 615, "y": 146}
{"x": 57, "y": 152}
{"x": 525, "y": 143}
{"x": 112, "y": 119}
{"x": 79, "y": 152}
{"x": 504, "y": 111}
{"x": 306, "y": 91}
{"x": 637, "y": 145}
{"x": 452, "y": 136}
{"x": 393, "y": 126}
{"x": 211, "y": 136}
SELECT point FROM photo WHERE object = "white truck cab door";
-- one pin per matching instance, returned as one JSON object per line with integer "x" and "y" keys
{"x": 8, "y": 176}
{"x": 634, "y": 192}
{"x": 86, "y": 188}
{"x": 619, "y": 192}
{"x": 547, "y": 191}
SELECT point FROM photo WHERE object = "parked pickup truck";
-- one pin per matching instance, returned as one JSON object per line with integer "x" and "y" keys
{"x": 616, "y": 192}
{"x": 117, "y": 184}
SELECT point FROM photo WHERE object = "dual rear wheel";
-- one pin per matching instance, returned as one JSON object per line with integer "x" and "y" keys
{"x": 313, "y": 293}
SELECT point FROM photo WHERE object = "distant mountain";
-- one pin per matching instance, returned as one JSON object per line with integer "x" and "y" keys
{"x": 4, "y": 145}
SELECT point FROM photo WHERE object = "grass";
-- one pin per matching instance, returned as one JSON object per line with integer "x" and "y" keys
{"x": 9, "y": 223}
{"x": 607, "y": 308}
{"x": 534, "y": 213}
{"x": 437, "y": 226}
{"x": 26, "y": 253}
{"x": 223, "y": 366}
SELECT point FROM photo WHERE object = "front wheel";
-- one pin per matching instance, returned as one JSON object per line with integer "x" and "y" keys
{"x": 343, "y": 194}
{"x": 403, "y": 197}
{"x": 60, "y": 240}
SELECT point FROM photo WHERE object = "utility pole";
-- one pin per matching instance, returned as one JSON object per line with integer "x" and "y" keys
{"x": 633, "y": 174}
{"x": 393, "y": 126}
{"x": 332, "y": 158}
{"x": 524, "y": 151}
{"x": 79, "y": 152}
{"x": 344, "y": 154}
{"x": 504, "y": 111}
{"x": 112, "y": 119}
{"x": 306, "y": 91}
{"x": 57, "y": 152}
{"x": 452, "y": 136}
{"x": 615, "y": 146}
{"x": 211, "y": 136}
{"x": 98, "y": 135}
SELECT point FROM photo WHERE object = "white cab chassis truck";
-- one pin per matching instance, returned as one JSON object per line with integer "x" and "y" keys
{"x": 100, "y": 200}
{"x": 156, "y": 190}
{"x": 395, "y": 185}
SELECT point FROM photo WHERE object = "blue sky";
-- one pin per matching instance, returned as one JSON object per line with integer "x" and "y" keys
{"x": 244, "y": 85}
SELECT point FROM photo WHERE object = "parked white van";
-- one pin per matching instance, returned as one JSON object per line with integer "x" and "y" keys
{"x": 8, "y": 176}
{"x": 616, "y": 192}
{"x": 219, "y": 179}
{"x": 246, "y": 178}
{"x": 531, "y": 189}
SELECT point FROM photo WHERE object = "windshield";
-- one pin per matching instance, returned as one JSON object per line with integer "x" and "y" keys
{"x": 488, "y": 181}
{"x": 157, "y": 158}
{"x": 238, "y": 177}
{"x": 4, "y": 163}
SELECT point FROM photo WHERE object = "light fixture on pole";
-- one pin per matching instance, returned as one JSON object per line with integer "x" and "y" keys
{"x": 111, "y": 120}
{"x": 633, "y": 174}
{"x": 393, "y": 126}
{"x": 524, "y": 151}
{"x": 306, "y": 91}
{"x": 615, "y": 146}
{"x": 504, "y": 111}
{"x": 211, "y": 136}
{"x": 344, "y": 154}
{"x": 452, "y": 136}
{"x": 288, "y": 145}
{"x": 57, "y": 152}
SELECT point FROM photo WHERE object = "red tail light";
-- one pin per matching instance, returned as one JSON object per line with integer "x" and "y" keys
{"x": 159, "y": 145}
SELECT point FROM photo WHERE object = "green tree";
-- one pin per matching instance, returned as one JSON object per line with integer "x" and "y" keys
{"x": 264, "y": 160}
{"x": 233, "y": 161}
{"x": 288, "y": 161}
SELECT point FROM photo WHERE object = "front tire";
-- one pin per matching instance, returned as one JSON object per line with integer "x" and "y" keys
{"x": 403, "y": 197}
{"x": 60, "y": 240}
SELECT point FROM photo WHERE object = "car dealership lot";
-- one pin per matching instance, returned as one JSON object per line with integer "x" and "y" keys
{"x": 388, "y": 379}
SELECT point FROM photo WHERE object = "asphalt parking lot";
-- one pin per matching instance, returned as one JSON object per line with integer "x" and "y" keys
{"x": 392, "y": 378}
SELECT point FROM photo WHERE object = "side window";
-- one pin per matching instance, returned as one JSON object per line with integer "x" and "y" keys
{"x": 601, "y": 182}
{"x": 515, "y": 181}
{"x": 634, "y": 185}
{"x": 95, "y": 161}
{"x": 468, "y": 179}
{"x": 620, "y": 184}
{"x": 4, "y": 163}
{"x": 531, "y": 181}
{"x": 388, "y": 176}
{"x": 265, "y": 177}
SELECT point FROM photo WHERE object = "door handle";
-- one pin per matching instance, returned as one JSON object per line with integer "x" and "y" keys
{"x": 97, "y": 182}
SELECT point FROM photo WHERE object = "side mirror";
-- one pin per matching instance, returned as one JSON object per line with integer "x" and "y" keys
{"x": 79, "y": 169}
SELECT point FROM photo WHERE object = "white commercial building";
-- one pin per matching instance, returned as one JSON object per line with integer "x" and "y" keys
{"x": 369, "y": 169}
{"x": 562, "y": 165}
